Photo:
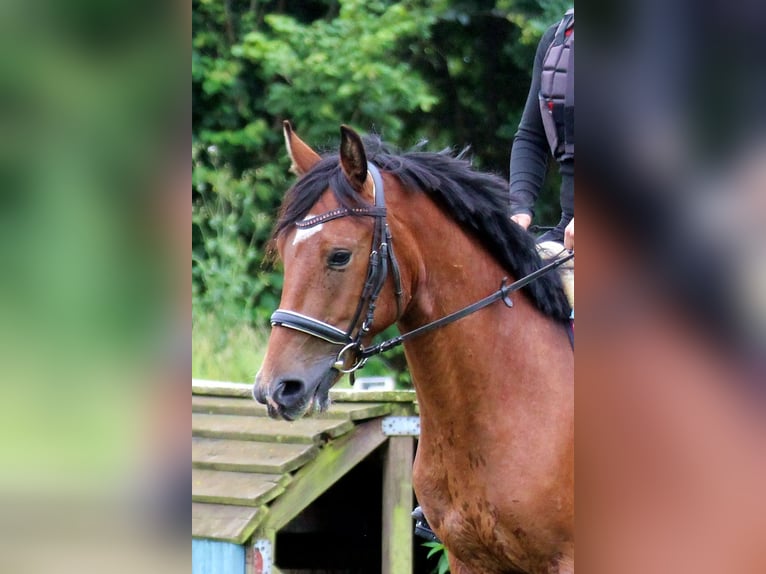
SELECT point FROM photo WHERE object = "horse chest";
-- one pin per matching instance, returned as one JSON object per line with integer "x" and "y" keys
{"x": 469, "y": 524}
{"x": 481, "y": 542}
{"x": 488, "y": 532}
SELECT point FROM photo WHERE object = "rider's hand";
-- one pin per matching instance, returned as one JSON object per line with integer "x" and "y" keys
{"x": 569, "y": 235}
{"x": 522, "y": 219}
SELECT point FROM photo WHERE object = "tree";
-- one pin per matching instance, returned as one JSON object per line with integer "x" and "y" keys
{"x": 452, "y": 73}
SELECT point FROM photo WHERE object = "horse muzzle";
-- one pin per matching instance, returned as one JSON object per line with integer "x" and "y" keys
{"x": 291, "y": 396}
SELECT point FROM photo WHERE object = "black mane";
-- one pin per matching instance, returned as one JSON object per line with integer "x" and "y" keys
{"x": 478, "y": 201}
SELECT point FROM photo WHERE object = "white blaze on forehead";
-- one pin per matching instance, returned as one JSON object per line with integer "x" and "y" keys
{"x": 303, "y": 234}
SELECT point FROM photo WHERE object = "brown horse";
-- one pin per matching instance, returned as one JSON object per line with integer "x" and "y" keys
{"x": 494, "y": 466}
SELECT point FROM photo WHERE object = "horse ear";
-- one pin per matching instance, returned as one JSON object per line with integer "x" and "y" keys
{"x": 353, "y": 160}
{"x": 301, "y": 154}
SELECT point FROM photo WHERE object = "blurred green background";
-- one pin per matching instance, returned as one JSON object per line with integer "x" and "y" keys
{"x": 94, "y": 282}
{"x": 453, "y": 73}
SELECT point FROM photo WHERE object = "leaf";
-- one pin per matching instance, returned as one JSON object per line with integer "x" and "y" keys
{"x": 442, "y": 565}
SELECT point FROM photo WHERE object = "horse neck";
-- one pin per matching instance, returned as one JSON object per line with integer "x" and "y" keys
{"x": 489, "y": 358}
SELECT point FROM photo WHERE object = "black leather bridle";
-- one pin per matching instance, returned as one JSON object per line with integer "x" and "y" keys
{"x": 382, "y": 260}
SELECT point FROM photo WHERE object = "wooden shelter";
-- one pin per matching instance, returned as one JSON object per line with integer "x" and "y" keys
{"x": 330, "y": 494}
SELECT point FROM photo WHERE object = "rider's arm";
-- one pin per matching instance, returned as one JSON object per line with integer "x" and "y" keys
{"x": 530, "y": 151}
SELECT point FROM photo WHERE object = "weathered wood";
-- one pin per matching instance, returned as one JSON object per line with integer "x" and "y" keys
{"x": 242, "y": 488}
{"x": 333, "y": 461}
{"x": 247, "y": 406}
{"x": 232, "y": 478}
{"x": 360, "y": 411}
{"x": 225, "y": 389}
{"x": 350, "y": 395}
{"x": 225, "y": 522}
{"x": 249, "y": 456}
{"x": 397, "y": 506}
{"x": 221, "y": 388}
{"x": 305, "y": 431}
{"x": 228, "y": 406}
{"x": 404, "y": 409}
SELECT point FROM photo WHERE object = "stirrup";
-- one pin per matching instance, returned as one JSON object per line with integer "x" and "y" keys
{"x": 422, "y": 529}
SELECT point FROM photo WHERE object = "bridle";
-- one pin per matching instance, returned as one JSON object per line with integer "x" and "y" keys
{"x": 382, "y": 259}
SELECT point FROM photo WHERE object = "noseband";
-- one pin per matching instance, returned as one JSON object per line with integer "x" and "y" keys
{"x": 382, "y": 259}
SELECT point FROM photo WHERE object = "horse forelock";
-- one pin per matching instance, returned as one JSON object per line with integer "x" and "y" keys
{"x": 477, "y": 201}
{"x": 307, "y": 191}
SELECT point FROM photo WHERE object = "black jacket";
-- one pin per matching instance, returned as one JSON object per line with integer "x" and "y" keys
{"x": 530, "y": 154}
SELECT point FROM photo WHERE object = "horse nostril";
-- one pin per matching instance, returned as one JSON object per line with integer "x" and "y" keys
{"x": 289, "y": 392}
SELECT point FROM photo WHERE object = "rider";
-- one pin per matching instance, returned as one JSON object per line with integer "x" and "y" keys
{"x": 547, "y": 128}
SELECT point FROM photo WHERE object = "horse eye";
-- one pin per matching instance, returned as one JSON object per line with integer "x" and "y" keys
{"x": 339, "y": 258}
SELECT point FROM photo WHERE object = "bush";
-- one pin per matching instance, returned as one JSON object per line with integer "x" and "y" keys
{"x": 228, "y": 249}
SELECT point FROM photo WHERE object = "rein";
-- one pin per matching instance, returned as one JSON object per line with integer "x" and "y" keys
{"x": 502, "y": 293}
{"x": 381, "y": 259}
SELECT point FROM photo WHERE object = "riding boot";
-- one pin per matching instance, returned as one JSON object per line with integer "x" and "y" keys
{"x": 422, "y": 528}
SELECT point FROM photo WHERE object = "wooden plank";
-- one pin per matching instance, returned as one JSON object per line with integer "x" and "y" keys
{"x": 224, "y": 522}
{"x": 226, "y": 389}
{"x": 397, "y": 506}
{"x": 350, "y": 395}
{"x": 247, "y": 406}
{"x": 221, "y": 388}
{"x": 228, "y": 406}
{"x": 332, "y": 462}
{"x": 305, "y": 431}
{"x": 405, "y": 409}
{"x": 360, "y": 411}
{"x": 241, "y": 488}
{"x": 249, "y": 456}
{"x": 220, "y": 557}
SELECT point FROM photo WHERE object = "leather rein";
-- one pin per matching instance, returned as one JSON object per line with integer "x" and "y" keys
{"x": 382, "y": 260}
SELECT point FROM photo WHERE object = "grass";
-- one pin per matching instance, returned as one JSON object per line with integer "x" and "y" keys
{"x": 226, "y": 352}
{"x": 231, "y": 352}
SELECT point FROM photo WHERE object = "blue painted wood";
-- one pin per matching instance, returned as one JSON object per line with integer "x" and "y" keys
{"x": 215, "y": 557}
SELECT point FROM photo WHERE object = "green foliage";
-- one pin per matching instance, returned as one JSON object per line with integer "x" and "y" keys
{"x": 438, "y": 549}
{"x": 533, "y": 18}
{"x": 453, "y": 73}
{"x": 230, "y": 233}
{"x": 223, "y": 351}
{"x": 341, "y": 68}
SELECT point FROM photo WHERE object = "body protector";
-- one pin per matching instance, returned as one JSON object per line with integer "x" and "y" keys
{"x": 557, "y": 90}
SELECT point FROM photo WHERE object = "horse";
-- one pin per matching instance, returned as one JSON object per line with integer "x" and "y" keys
{"x": 370, "y": 237}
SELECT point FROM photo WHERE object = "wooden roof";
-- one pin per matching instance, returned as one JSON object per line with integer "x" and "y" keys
{"x": 251, "y": 471}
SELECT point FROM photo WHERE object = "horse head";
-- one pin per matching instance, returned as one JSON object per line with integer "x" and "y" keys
{"x": 329, "y": 238}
